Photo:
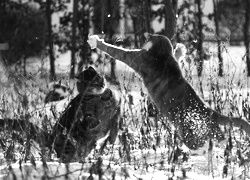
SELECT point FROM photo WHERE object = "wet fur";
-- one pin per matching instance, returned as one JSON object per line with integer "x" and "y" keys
{"x": 172, "y": 94}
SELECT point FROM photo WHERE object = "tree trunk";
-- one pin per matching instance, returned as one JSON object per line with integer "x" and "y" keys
{"x": 175, "y": 6}
{"x": 109, "y": 34}
{"x": 200, "y": 40}
{"x": 135, "y": 26}
{"x": 122, "y": 18}
{"x": 216, "y": 21}
{"x": 147, "y": 11}
{"x": 246, "y": 36}
{"x": 84, "y": 30}
{"x": 141, "y": 22}
{"x": 73, "y": 48}
{"x": 143, "y": 19}
{"x": 170, "y": 20}
{"x": 50, "y": 41}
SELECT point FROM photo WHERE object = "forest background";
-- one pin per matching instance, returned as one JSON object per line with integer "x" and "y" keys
{"x": 38, "y": 37}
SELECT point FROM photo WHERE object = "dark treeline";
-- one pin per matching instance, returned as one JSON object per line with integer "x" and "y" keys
{"x": 29, "y": 29}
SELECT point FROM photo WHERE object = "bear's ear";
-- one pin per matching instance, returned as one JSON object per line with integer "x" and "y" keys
{"x": 147, "y": 36}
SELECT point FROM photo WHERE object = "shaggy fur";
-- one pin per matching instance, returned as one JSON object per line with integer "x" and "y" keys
{"x": 88, "y": 118}
{"x": 77, "y": 123}
{"x": 172, "y": 94}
